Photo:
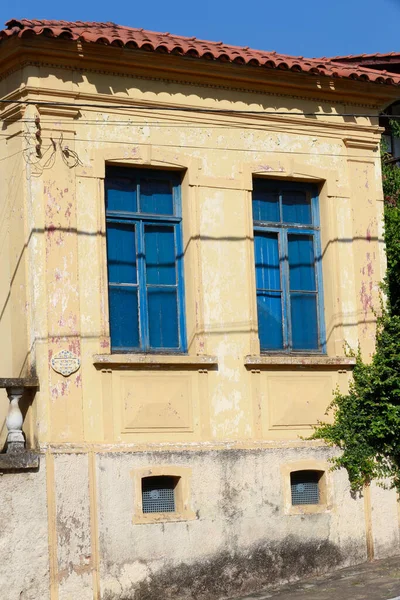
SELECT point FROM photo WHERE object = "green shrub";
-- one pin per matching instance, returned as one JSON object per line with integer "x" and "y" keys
{"x": 366, "y": 425}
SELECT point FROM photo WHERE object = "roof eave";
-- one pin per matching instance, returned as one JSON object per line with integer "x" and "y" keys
{"x": 16, "y": 52}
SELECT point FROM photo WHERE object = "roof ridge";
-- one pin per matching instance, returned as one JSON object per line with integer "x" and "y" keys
{"x": 368, "y": 55}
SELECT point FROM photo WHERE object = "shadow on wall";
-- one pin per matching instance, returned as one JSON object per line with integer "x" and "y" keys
{"x": 244, "y": 327}
{"x": 171, "y": 92}
{"x": 4, "y": 404}
{"x": 229, "y": 574}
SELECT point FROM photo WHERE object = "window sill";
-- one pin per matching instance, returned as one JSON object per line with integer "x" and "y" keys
{"x": 285, "y": 360}
{"x": 308, "y": 509}
{"x": 168, "y": 517}
{"x": 154, "y": 360}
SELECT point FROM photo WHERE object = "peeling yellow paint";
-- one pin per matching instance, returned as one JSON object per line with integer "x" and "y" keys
{"x": 115, "y": 411}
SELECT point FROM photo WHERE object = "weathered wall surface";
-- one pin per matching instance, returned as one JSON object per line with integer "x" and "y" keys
{"x": 240, "y": 540}
{"x": 235, "y": 416}
{"x": 66, "y": 306}
{"x": 24, "y": 569}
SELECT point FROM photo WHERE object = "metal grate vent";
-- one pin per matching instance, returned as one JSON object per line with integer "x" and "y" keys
{"x": 305, "y": 487}
{"x": 158, "y": 494}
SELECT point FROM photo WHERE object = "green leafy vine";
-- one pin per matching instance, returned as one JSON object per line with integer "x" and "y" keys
{"x": 366, "y": 421}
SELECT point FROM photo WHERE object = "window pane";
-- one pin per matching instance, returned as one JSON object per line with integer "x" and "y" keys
{"x": 296, "y": 208}
{"x": 265, "y": 205}
{"x": 304, "y": 321}
{"x": 301, "y": 262}
{"x": 269, "y": 308}
{"x": 121, "y": 194}
{"x": 124, "y": 325}
{"x": 160, "y": 255}
{"x": 163, "y": 318}
{"x": 266, "y": 250}
{"x": 121, "y": 253}
{"x": 156, "y": 196}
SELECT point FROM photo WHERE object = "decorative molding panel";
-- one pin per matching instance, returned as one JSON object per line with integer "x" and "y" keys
{"x": 297, "y": 401}
{"x": 156, "y": 402}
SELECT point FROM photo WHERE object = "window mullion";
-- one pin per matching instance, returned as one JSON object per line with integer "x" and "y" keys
{"x": 180, "y": 285}
{"x": 138, "y": 196}
{"x": 287, "y": 330}
{"x": 143, "y": 312}
{"x": 319, "y": 292}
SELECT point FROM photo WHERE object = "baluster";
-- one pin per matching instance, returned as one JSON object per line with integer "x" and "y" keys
{"x": 14, "y": 421}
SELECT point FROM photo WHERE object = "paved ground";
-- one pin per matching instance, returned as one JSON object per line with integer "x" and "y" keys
{"x": 378, "y": 580}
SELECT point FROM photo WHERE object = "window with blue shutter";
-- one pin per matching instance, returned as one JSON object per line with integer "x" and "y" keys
{"x": 144, "y": 254}
{"x": 287, "y": 253}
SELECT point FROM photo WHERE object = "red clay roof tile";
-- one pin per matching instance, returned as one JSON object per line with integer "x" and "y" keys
{"x": 364, "y": 57}
{"x": 118, "y": 35}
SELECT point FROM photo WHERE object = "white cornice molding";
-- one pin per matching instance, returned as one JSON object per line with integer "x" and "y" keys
{"x": 361, "y": 143}
{"x": 94, "y": 58}
{"x": 294, "y": 121}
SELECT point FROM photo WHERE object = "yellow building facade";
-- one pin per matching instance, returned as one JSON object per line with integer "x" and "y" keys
{"x": 220, "y": 421}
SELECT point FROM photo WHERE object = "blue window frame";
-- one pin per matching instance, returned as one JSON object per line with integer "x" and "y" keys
{"x": 287, "y": 252}
{"x": 144, "y": 259}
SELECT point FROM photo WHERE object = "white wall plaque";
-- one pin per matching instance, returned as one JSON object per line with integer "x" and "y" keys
{"x": 65, "y": 362}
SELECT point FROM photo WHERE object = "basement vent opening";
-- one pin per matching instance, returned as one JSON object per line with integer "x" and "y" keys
{"x": 305, "y": 486}
{"x": 158, "y": 494}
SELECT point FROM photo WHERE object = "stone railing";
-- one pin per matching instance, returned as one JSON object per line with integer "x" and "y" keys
{"x": 16, "y": 456}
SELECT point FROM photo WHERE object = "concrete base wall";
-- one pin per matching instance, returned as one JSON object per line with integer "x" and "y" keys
{"x": 24, "y": 536}
{"x": 241, "y": 539}
{"x": 242, "y": 536}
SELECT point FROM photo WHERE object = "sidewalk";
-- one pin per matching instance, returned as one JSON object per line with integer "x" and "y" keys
{"x": 378, "y": 580}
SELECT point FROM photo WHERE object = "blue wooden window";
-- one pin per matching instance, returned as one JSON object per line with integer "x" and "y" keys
{"x": 287, "y": 252}
{"x": 144, "y": 255}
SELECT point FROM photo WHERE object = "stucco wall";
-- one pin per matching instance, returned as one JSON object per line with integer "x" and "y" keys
{"x": 77, "y": 536}
{"x": 24, "y": 568}
{"x": 217, "y": 160}
{"x": 235, "y": 417}
{"x": 240, "y": 540}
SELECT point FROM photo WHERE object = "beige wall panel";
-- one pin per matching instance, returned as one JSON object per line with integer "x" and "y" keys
{"x": 346, "y": 323}
{"x": 145, "y": 408}
{"x": 227, "y": 318}
{"x": 366, "y": 249}
{"x": 348, "y": 519}
{"x": 24, "y": 568}
{"x": 38, "y": 301}
{"x": 384, "y": 521}
{"x": 6, "y": 201}
{"x": 293, "y": 401}
{"x": 92, "y": 297}
{"x": 297, "y": 401}
{"x": 13, "y": 240}
{"x": 63, "y": 302}
{"x": 163, "y": 405}
{"x": 53, "y": 259}
{"x": 73, "y": 533}
{"x": 4, "y": 406}
{"x": 237, "y": 496}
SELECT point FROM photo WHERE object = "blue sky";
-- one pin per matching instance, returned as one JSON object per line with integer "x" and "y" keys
{"x": 306, "y": 28}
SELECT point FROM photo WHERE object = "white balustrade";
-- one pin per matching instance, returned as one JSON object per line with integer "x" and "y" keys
{"x": 14, "y": 421}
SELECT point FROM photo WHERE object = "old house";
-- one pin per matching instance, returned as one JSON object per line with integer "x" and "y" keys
{"x": 190, "y": 235}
